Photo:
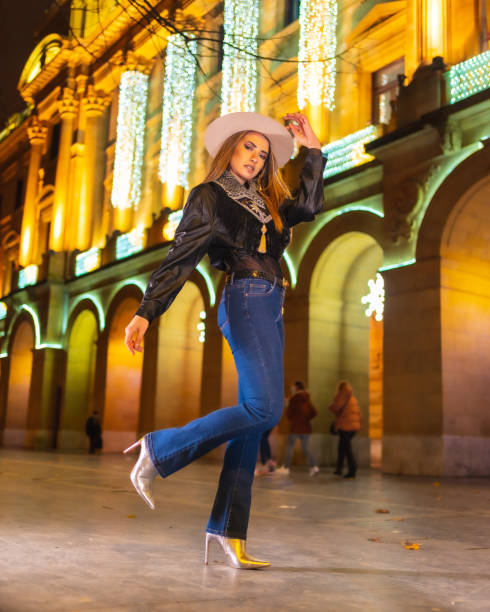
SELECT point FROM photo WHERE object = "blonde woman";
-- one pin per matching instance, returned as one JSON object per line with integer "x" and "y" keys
{"x": 241, "y": 217}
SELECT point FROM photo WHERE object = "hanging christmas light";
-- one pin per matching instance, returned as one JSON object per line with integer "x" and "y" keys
{"x": 239, "y": 81}
{"x": 316, "y": 54}
{"x": 178, "y": 98}
{"x": 375, "y": 298}
{"x": 469, "y": 77}
{"x": 130, "y": 136}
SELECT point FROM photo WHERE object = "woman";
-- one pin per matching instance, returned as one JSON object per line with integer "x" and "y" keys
{"x": 348, "y": 421}
{"x": 241, "y": 216}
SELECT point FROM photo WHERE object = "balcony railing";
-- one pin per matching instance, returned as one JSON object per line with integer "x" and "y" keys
{"x": 348, "y": 152}
{"x": 469, "y": 77}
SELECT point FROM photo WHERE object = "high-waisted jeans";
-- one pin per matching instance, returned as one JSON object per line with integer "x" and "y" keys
{"x": 250, "y": 318}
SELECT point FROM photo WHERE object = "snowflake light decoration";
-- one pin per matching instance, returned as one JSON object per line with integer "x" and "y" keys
{"x": 375, "y": 298}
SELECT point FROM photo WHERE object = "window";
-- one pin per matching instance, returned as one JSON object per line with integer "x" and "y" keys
{"x": 19, "y": 192}
{"x": 55, "y": 141}
{"x": 291, "y": 12}
{"x": 385, "y": 87}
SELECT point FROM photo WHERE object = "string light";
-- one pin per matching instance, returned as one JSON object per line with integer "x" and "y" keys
{"x": 469, "y": 77}
{"x": 375, "y": 298}
{"x": 201, "y": 326}
{"x": 130, "y": 243}
{"x": 87, "y": 261}
{"x": 239, "y": 82}
{"x": 316, "y": 54}
{"x": 348, "y": 152}
{"x": 28, "y": 276}
{"x": 130, "y": 133}
{"x": 178, "y": 98}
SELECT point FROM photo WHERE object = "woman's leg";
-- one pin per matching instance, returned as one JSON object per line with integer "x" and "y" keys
{"x": 231, "y": 509}
{"x": 305, "y": 438}
{"x": 351, "y": 460}
{"x": 289, "y": 450}
{"x": 250, "y": 318}
{"x": 265, "y": 447}
{"x": 341, "y": 451}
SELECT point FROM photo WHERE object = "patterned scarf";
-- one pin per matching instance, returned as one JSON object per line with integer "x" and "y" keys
{"x": 249, "y": 198}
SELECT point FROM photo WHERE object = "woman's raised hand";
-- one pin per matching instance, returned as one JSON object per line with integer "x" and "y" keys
{"x": 134, "y": 333}
{"x": 302, "y": 130}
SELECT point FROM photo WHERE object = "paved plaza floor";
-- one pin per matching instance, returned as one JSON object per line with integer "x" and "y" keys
{"x": 74, "y": 536}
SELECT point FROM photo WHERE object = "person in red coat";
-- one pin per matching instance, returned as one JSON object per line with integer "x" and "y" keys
{"x": 347, "y": 423}
{"x": 300, "y": 411}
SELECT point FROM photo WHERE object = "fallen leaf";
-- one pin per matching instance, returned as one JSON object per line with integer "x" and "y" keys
{"x": 411, "y": 545}
{"x": 131, "y": 515}
{"x": 382, "y": 511}
{"x": 379, "y": 540}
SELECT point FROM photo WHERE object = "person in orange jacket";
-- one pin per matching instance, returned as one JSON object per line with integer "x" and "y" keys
{"x": 348, "y": 422}
{"x": 300, "y": 411}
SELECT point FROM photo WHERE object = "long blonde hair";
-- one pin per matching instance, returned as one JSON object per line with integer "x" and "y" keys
{"x": 269, "y": 181}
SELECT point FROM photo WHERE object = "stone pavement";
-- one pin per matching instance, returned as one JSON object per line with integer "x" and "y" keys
{"x": 74, "y": 536}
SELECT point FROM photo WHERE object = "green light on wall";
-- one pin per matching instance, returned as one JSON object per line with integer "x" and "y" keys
{"x": 292, "y": 272}
{"x": 469, "y": 77}
{"x": 130, "y": 243}
{"x": 401, "y": 264}
{"x": 209, "y": 283}
{"x": 95, "y": 301}
{"x": 348, "y": 152}
{"x": 87, "y": 261}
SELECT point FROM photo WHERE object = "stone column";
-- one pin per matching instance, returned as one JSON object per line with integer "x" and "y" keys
{"x": 36, "y": 132}
{"x": 68, "y": 107}
{"x": 91, "y": 196}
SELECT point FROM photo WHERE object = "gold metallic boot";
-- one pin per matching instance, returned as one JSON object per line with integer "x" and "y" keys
{"x": 235, "y": 552}
{"x": 144, "y": 472}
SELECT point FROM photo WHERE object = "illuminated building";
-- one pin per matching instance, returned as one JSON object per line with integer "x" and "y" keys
{"x": 94, "y": 172}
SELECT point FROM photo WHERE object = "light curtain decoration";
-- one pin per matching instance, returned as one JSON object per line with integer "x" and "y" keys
{"x": 130, "y": 136}
{"x": 241, "y": 28}
{"x": 178, "y": 97}
{"x": 316, "y": 54}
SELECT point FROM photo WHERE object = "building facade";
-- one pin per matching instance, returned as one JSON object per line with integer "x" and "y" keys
{"x": 94, "y": 174}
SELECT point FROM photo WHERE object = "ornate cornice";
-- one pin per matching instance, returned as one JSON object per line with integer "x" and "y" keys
{"x": 94, "y": 102}
{"x": 68, "y": 104}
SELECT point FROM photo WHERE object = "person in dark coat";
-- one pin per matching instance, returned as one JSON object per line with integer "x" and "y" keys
{"x": 348, "y": 422}
{"x": 300, "y": 411}
{"x": 93, "y": 429}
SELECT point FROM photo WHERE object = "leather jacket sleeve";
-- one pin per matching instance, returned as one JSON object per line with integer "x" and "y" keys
{"x": 309, "y": 200}
{"x": 192, "y": 239}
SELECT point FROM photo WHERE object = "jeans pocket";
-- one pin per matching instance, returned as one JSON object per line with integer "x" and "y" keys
{"x": 223, "y": 317}
{"x": 258, "y": 288}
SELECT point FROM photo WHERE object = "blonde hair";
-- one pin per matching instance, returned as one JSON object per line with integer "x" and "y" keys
{"x": 269, "y": 181}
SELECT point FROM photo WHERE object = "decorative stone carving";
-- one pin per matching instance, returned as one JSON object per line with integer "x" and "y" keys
{"x": 68, "y": 104}
{"x": 400, "y": 220}
{"x": 94, "y": 102}
{"x": 36, "y": 131}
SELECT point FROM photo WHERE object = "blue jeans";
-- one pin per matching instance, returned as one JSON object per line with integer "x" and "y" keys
{"x": 250, "y": 318}
{"x": 303, "y": 438}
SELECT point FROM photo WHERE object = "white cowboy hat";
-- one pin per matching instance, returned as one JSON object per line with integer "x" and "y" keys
{"x": 220, "y": 129}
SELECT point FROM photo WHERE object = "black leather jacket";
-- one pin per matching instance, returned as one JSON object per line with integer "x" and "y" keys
{"x": 214, "y": 223}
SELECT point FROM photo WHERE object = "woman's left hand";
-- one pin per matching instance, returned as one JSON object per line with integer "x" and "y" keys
{"x": 301, "y": 129}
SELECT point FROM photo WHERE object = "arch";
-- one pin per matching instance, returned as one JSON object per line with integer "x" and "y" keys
{"x": 339, "y": 331}
{"x": 179, "y": 364}
{"x": 21, "y": 348}
{"x": 120, "y": 421}
{"x": 354, "y": 221}
{"x": 460, "y": 181}
{"x": 80, "y": 371}
{"x": 465, "y": 332}
{"x": 86, "y": 301}
{"x": 42, "y": 54}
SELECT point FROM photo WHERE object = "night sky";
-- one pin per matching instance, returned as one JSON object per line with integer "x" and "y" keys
{"x": 18, "y": 21}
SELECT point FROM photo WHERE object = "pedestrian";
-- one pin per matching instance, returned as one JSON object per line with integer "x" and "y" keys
{"x": 348, "y": 422}
{"x": 266, "y": 459}
{"x": 93, "y": 429}
{"x": 299, "y": 412}
{"x": 241, "y": 216}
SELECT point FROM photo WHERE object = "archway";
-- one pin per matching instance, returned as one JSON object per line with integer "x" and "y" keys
{"x": 465, "y": 333}
{"x": 80, "y": 372}
{"x": 123, "y": 382}
{"x": 341, "y": 338}
{"x": 180, "y": 354}
{"x": 21, "y": 355}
